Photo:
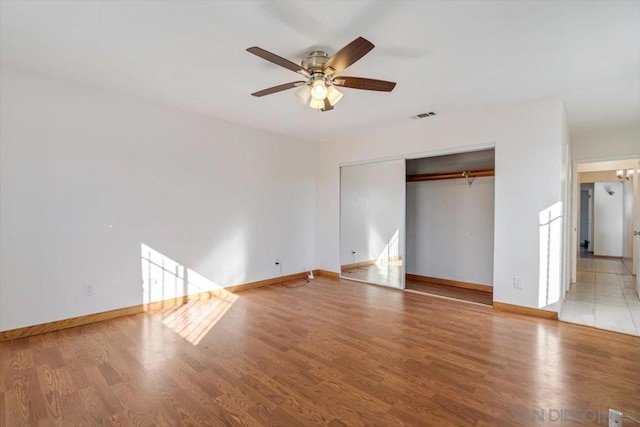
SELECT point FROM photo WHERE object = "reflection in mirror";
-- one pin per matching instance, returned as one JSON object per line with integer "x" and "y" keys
{"x": 371, "y": 222}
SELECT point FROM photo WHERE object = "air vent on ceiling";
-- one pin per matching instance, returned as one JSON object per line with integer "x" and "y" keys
{"x": 423, "y": 115}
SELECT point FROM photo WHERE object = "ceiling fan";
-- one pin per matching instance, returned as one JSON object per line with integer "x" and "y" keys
{"x": 319, "y": 89}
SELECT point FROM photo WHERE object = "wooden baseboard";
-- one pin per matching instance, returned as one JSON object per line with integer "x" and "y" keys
{"x": 141, "y": 308}
{"x": 356, "y": 265}
{"x": 261, "y": 283}
{"x": 327, "y": 274}
{"x": 366, "y": 263}
{"x": 528, "y": 311}
{"x": 447, "y": 282}
{"x": 69, "y": 323}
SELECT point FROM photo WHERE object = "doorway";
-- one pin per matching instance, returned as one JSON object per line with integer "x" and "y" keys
{"x": 586, "y": 220}
{"x": 604, "y": 291}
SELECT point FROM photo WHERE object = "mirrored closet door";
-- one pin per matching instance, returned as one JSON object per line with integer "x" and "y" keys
{"x": 372, "y": 210}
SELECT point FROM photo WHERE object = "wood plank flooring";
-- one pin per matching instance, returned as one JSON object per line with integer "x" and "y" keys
{"x": 329, "y": 353}
{"x": 471, "y": 295}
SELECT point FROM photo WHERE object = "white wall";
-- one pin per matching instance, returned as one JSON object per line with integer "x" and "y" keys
{"x": 569, "y": 234}
{"x": 372, "y": 210}
{"x": 614, "y": 143}
{"x": 607, "y": 219}
{"x": 88, "y": 177}
{"x": 529, "y": 174}
{"x": 450, "y": 229}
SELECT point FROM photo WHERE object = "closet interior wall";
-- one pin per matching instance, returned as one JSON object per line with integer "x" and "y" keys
{"x": 450, "y": 222}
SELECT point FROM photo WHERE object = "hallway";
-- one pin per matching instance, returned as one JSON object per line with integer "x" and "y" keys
{"x": 604, "y": 296}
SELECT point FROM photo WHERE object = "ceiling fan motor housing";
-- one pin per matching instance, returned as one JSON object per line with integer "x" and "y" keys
{"x": 315, "y": 61}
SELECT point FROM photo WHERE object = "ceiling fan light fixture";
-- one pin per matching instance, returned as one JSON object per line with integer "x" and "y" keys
{"x": 318, "y": 89}
{"x": 319, "y": 70}
{"x": 304, "y": 93}
{"x": 334, "y": 95}
{"x": 316, "y": 104}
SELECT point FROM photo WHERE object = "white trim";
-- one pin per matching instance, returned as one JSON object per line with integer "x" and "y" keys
{"x": 403, "y": 228}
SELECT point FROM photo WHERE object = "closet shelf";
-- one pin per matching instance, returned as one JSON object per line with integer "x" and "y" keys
{"x": 451, "y": 175}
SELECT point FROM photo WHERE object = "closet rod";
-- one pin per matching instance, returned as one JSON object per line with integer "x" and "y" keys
{"x": 450, "y": 175}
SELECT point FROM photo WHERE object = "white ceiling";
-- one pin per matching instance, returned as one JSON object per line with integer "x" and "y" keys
{"x": 445, "y": 56}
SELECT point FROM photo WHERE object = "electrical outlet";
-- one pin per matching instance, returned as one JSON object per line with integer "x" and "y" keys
{"x": 89, "y": 290}
{"x": 615, "y": 418}
{"x": 517, "y": 282}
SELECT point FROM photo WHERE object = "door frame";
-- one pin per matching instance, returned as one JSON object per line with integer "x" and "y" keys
{"x": 636, "y": 227}
{"x": 588, "y": 212}
{"x": 575, "y": 220}
{"x": 405, "y": 157}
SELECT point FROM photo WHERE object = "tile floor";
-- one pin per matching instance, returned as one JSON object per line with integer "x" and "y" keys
{"x": 604, "y": 296}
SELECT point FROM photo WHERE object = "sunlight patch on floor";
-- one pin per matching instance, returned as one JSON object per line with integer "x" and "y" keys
{"x": 193, "y": 320}
{"x": 190, "y": 304}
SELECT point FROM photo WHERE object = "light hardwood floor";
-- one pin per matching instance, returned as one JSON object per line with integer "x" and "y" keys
{"x": 329, "y": 353}
{"x": 462, "y": 294}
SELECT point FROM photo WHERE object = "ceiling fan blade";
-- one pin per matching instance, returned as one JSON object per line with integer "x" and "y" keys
{"x": 327, "y": 105}
{"x": 278, "y": 60}
{"x": 363, "y": 83}
{"x": 278, "y": 88}
{"x": 348, "y": 55}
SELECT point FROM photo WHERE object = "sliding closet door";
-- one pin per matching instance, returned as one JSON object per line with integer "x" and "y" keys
{"x": 372, "y": 212}
{"x": 450, "y": 220}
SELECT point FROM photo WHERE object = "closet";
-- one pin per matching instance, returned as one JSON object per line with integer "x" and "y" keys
{"x": 450, "y": 225}
{"x": 371, "y": 222}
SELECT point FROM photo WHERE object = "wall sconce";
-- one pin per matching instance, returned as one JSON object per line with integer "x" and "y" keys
{"x": 625, "y": 175}
{"x": 609, "y": 190}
